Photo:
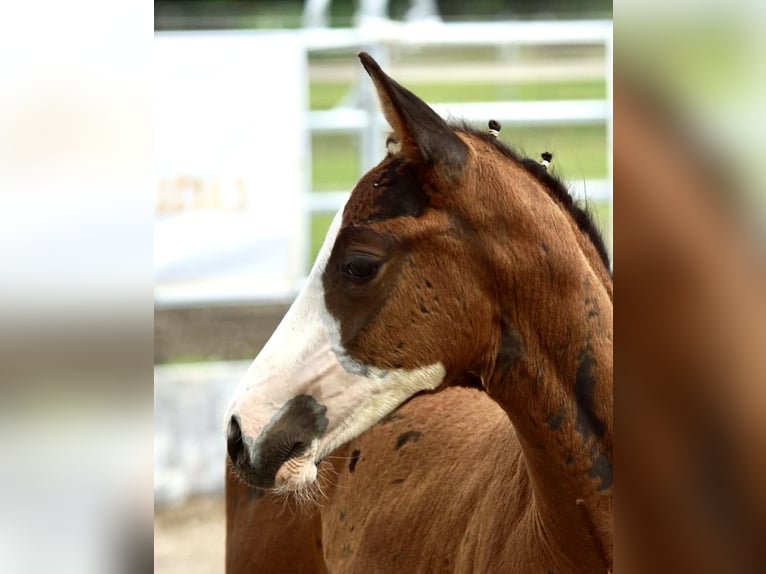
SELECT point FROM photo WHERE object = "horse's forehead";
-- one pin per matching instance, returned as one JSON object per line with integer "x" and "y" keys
{"x": 399, "y": 186}
{"x": 394, "y": 188}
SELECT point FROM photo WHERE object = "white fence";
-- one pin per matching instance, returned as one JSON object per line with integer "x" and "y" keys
{"x": 384, "y": 37}
{"x": 365, "y": 121}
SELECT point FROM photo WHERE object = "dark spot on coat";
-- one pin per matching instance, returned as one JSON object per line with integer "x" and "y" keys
{"x": 397, "y": 481}
{"x": 424, "y": 309}
{"x": 556, "y": 419}
{"x": 592, "y": 307}
{"x": 510, "y": 350}
{"x": 400, "y": 344}
{"x": 428, "y": 284}
{"x": 354, "y": 460}
{"x": 319, "y": 543}
{"x": 569, "y": 459}
{"x": 406, "y": 437}
{"x": 602, "y": 470}
{"x": 400, "y": 193}
{"x": 341, "y": 516}
{"x": 586, "y": 421}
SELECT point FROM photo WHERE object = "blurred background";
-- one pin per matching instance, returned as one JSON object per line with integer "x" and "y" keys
{"x": 263, "y": 122}
{"x": 141, "y": 200}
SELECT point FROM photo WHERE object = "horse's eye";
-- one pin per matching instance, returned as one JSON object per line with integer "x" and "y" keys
{"x": 360, "y": 267}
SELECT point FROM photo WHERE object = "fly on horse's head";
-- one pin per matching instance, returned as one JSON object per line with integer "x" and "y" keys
{"x": 454, "y": 259}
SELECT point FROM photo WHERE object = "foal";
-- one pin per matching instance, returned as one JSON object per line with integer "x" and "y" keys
{"x": 454, "y": 258}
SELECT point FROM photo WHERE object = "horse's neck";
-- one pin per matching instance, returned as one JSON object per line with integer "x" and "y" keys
{"x": 553, "y": 377}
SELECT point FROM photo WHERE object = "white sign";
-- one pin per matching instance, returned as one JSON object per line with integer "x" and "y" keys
{"x": 232, "y": 165}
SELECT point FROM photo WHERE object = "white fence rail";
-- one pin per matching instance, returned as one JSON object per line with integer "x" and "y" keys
{"x": 519, "y": 33}
{"x": 533, "y": 113}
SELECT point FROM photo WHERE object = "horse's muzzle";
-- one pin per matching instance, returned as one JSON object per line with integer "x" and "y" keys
{"x": 289, "y": 434}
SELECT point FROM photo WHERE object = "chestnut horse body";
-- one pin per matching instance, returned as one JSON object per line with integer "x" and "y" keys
{"x": 455, "y": 261}
{"x": 433, "y": 508}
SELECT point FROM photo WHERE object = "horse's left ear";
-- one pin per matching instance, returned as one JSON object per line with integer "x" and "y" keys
{"x": 422, "y": 134}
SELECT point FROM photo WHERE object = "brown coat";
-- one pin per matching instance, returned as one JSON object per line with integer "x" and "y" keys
{"x": 438, "y": 486}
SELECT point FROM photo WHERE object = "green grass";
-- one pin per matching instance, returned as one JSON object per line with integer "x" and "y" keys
{"x": 445, "y": 54}
{"x": 325, "y": 95}
{"x": 579, "y": 153}
{"x": 335, "y": 162}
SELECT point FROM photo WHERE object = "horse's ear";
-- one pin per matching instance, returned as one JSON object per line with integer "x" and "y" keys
{"x": 421, "y": 132}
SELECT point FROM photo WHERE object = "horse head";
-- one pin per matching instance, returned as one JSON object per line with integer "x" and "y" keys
{"x": 445, "y": 263}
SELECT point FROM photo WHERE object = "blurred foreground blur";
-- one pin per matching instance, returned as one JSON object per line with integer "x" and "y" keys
{"x": 75, "y": 288}
{"x": 691, "y": 283}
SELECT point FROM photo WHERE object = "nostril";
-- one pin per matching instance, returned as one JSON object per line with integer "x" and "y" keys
{"x": 234, "y": 439}
{"x": 296, "y": 450}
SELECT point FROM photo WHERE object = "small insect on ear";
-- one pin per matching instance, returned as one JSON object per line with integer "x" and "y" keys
{"x": 547, "y": 158}
{"x": 494, "y": 128}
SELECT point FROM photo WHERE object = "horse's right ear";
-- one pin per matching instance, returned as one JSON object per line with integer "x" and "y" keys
{"x": 423, "y": 135}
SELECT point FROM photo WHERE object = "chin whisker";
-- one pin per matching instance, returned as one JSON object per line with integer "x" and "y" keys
{"x": 328, "y": 475}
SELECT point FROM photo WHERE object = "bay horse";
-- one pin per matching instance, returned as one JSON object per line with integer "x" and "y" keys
{"x": 454, "y": 260}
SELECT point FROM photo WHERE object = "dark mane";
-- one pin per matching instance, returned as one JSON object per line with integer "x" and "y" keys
{"x": 582, "y": 216}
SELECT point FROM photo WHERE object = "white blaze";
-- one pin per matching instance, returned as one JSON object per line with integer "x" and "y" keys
{"x": 305, "y": 356}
